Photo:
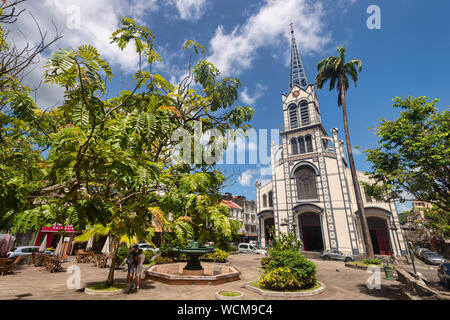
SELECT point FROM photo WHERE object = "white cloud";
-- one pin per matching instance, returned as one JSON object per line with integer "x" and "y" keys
{"x": 191, "y": 10}
{"x": 234, "y": 52}
{"x": 401, "y": 207}
{"x": 356, "y": 152}
{"x": 96, "y": 20}
{"x": 246, "y": 177}
{"x": 247, "y": 98}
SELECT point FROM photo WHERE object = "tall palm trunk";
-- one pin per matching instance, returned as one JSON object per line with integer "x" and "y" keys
{"x": 110, "y": 280}
{"x": 362, "y": 215}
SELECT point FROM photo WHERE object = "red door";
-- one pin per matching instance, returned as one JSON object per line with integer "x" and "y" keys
{"x": 379, "y": 234}
{"x": 383, "y": 242}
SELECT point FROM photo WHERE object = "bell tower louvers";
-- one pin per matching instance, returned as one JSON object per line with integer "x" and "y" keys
{"x": 298, "y": 75}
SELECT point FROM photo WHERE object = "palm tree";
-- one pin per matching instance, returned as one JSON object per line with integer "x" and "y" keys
{"x": 337, "y": 71}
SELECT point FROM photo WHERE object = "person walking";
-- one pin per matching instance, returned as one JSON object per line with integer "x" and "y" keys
{"x": 140, "y": 266}
{"x": 132, "y": 260}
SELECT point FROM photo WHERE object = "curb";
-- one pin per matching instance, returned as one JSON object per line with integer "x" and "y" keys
{"x": 104, "y": 293}
{"x": 360, "y": 267}
{"x": 282, "y": 294}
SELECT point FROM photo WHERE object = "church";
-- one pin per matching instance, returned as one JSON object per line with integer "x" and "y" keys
{"x": 311, "y": 192}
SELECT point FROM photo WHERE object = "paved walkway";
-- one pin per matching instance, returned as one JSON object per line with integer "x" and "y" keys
{"x": 342, "y": 284}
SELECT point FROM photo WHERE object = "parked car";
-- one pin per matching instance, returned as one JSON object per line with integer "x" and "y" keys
{"x": 25, "y": 251}
{"x": 336, "y": 255}
{"x": 146, "y": 246}
{"x": 431, "y": 257}
{"x": 444, "y": 274}
{"x": 418, "y": 251}
{"x": 250, "y": 248}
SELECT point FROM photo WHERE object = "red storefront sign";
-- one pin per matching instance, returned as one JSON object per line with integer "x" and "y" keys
{"x": 58, "y": 229}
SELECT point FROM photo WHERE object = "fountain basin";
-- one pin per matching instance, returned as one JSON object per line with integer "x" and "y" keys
{"x": 176, "y": 274}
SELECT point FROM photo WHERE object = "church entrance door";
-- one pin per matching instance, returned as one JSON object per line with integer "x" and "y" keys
{"x": 269, "y": 225}
{"x": 311, "y": 231}
{"x": 379, "y": 235}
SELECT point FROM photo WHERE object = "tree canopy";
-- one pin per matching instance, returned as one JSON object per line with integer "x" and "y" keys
{"x": 412, "y": 161}
{"x": 96, "y": 161}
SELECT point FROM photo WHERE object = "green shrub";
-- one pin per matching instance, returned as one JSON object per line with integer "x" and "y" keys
{"x": 265, "y": 261}
{"x": 122, "y": 253}
{"x": 304, "y": 269}
{"x": 148, "y": 256}
{"x": 279, "y": 279}
{"x": 170, "y": 242}
{"x": 217, "y": 256}
{"x": 372, "y": 261}
{"x": 286, "y": 242}
{"x": 162, "y": 260}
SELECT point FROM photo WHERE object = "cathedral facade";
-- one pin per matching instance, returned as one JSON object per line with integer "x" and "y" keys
{"x": 311, "y": 192}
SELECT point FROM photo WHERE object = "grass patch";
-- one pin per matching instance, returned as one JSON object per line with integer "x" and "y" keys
{"x": 362, "y": 264}
{"x": 229, "y": 293}
{"x": 103, "y": 287}
{"x": 316, "y": 286}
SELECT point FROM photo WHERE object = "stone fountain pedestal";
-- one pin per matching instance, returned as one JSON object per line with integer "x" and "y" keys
{"x": 176, "y": 274}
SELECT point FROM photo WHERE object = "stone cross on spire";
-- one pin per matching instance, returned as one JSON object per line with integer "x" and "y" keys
{"x": 298, "y": 75}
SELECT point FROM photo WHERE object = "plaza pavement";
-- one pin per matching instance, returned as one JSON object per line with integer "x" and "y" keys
{"x": 342, "y": 283}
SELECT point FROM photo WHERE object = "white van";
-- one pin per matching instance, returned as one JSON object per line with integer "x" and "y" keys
{"x": 250, "y": 248}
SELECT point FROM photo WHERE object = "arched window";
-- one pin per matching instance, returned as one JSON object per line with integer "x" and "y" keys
{"x": 306, "y": 183}
{"x": 294, "y": 146}
{"x": 325, "y": 144}
{"x": 304, "y": 114}
{"x": 264, "y": 200}
{"x": 293, "y": 117}
{"x": 270, "y": 199}
{"x": 309, "y": 145}
{"x": 301, "y": 144}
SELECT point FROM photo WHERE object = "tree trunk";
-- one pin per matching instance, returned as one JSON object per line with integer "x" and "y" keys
{"x": 362, "y": 216}
{"x": 110, "y": 280}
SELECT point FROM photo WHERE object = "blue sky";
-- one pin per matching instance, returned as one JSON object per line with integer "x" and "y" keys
{"x": 409, "y": 55}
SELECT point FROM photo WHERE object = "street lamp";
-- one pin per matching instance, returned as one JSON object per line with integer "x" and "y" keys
{"x": 293, "y": 229}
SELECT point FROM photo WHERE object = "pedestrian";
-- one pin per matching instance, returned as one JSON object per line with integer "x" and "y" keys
{"x": 132, "y": 260}
{"x": 140, "y": 266}
{"x": 393, "y": 259}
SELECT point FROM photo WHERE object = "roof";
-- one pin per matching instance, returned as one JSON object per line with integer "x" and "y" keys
{"x": 231, "y": 204}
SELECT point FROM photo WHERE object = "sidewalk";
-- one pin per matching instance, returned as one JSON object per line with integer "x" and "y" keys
{"x": 341, "y": 283}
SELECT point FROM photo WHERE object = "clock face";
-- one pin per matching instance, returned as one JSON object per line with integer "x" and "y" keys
{"x": 296, "y": 93}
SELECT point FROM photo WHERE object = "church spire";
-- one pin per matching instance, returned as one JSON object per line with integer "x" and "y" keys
{"x": 298, "y": 75}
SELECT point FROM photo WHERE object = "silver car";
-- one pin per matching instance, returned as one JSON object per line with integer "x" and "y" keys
{"x": 431, "y": 257}
{"x": 336, "y": 255}
{"x": 147, "y": 246}
{"x": 444, "y": 274}
{"x": 26, "y": 251}
{"x": 418, "y": 251}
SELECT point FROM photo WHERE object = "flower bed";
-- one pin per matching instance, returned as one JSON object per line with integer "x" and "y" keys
{"x": 286, "y": 269}
{"x": 102, "y": 290}
{"x": 318, "y": 288}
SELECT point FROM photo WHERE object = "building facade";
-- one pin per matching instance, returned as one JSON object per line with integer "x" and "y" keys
{"x": 244, "y": 211}
{"x": 311, "y": 191}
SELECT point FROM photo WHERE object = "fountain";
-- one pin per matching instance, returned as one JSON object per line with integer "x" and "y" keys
{"x": 193, "y": 272}
{"x": 194, "y": 251}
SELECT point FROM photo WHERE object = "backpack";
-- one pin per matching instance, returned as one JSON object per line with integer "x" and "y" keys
{"x": 130, "y": 259}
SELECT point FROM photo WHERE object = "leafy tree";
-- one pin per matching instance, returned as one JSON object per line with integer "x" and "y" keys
{"x": 110, "y": 161}
{"x": 337, "y": 71}
{"x": 21, "y": 141}
{"x": 403, "y": 217}
{"x": 413, "y": 159}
